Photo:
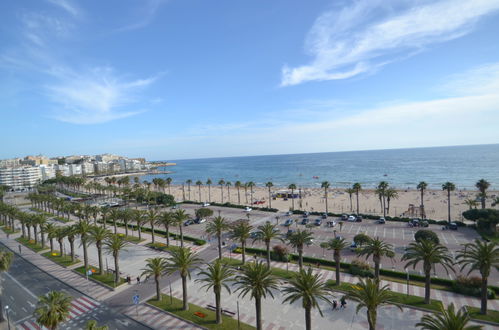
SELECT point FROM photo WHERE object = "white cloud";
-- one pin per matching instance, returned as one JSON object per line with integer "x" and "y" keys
{"x": 68, "y": 6}
{"x": 95, "y": 97}
{"x": 372, "y": 33}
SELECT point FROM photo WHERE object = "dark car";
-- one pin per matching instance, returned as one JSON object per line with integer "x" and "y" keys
{"x": 254, "y": 234}
{"x": 188, "y": 222}
{"x": 288, "y": 222}
{"x": 452, "y": 226}
{"x": 344, "y": 217}
{"x": 358, "y": 218}
{"x": 306, "y": 214}
{"x": 381, "y": 221}
{"x": 318, "y": 222}
{"x": 324, "y": 216}
{"x": 424, "y": 223}
{"x": 304, "y": 221}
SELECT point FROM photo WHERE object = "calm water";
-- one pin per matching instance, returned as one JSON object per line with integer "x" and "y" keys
{"x": 404, "y": 168}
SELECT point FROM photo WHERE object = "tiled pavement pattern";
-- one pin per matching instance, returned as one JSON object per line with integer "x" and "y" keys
{"x": 156, "y": 319}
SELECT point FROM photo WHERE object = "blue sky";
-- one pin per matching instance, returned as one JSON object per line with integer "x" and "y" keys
{"x": 171, "y": 79}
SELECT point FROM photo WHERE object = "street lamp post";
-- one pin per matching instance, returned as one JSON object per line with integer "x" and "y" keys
{"x": 407, "y": 271}
{"x": 238, "y": 319}
{"x": 7, "y": 310}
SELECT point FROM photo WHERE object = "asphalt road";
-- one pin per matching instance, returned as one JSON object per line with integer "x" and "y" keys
{"x": 24, "y": 283}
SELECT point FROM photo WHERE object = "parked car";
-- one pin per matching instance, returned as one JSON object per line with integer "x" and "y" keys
{"x": 198, "y": 221}
{"x": 306, "y": 214}
{"x": 414, "y": 223}
{"x": 452, "y": 226}
{"x": 324, "y": 216}
{"x": 351, "y": 218}
{"x": 304, "y": 221}
{"x": 424, "y": 223}
{"x": 358, "y": 218}
{"x": 318, "y": 221}
{"x": 353, "y": 246}
{"x": 289, "y": 213}
{"x": 254, "y": 234}
{"x": 188, "y": 222}
{"x": 331, "y": 223}
{"x": 247, "y": 209}
{"x": 206, "y": 204}
{"x": 344, "y": 217}
{"x": 289, "y": 232}
{"x": 381, "y": 221}
{"x": 288, "y": 222}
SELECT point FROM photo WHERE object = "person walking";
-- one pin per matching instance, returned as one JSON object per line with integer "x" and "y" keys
{"x": 138, "y": 279}
{"x": 335, "y": 305}
{"x": 19, "y": 248}
{"x": 343, "y": 302}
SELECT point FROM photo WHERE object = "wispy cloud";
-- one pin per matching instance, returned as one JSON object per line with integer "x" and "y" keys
{"x": 94, "y": 97}
{"x": 67, "y": 5}
{"x": 371, "y": 33}
{"x": 146, "y": 13}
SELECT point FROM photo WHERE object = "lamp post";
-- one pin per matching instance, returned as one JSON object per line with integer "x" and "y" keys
{"x": 407, "y": 271}
{"x": 238, "y": 319}
{"x": 7, "y": 310}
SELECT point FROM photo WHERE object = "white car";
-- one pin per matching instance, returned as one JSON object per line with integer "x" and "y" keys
{"x": 206, "y": 204}
{"x": 247, "y": 209}
{"x": 351, "y": 218}
{"x": 200, "y": 220}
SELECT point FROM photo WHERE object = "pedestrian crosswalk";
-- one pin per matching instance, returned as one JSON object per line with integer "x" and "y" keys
{"x": 79, "y": 307}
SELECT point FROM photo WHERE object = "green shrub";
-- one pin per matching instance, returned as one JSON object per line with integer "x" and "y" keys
{"x": 360, "y": 268}
{"x": 425, "y": 234}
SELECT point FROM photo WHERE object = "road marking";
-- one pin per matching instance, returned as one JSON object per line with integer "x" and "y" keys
{"x": 11, "y": 298}
{"x": 358, "y": 228}
{"x": 445, "y": 239}
{"x": 22, "y": 286}
{"x": 24, "y": 309}
{"x": 375, "y": 231}
{"x": 455, "y": 239}
{"x": 384, "y": 232}
{"x": 350, "y": 229}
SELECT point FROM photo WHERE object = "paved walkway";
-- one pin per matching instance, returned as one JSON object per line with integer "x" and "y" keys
{"x": 156, "y": 319}
{"x": 445, "y": 296}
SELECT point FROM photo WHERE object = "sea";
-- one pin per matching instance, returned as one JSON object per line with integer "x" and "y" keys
{"x": 401, "y": 168}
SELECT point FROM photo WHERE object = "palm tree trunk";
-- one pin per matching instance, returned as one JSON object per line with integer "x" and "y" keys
{"x": 218, "y": 307}
{"x": 60, "y": 247}
{"x": 114, "y": 224}
{"x": 357, "y": 194}
{"x": 427, "y": 287}
{"x": 376, "y": 269}
{"x": 99, "y": 253}
{"x": 243, "y": 247}
{"x": 325, "y": 195}
{"x": 167, "y": 231}
{"x": 483, "y": 304}
{"x": 209, "y": 194}
{"x": 293, "y": 199}
{"x": 200, "y": 194}
{"x": 448, "y": 205}
{"x": 222, "y": 193}
{"x": 181, "y": 236}
{"x": 185, "y": 306}
{"x": 371, "y": 319}
{"x": 152, "y": 232}
{"x": 258, "y": 307}
{"x": 267, "y": 244}
{"x": 219, "y": 237}
{"x": 35, "y": 234}
{"x": 139, "y": 230}
{"x": 158, "y": 292}
{"x": 300, "y": 258}
{"x": 126, "y": 229}
{"x": 116, "y": 269}
{"x": 337, "y": 270}
{"x": 72, "y": 247}
{"x": 238, "y": 196}
{"x": 308, "y": 319}
{"x": 85, "y": 255}
{"x": 42, "y": 234}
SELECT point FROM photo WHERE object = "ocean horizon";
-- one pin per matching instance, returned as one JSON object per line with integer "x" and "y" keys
{"x": 401, "y": 168}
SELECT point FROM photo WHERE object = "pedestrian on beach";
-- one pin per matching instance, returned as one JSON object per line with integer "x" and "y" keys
{"x": 343, "y": 302}
{"x": 138, "y": 279}
{"x": 335, "y": 305}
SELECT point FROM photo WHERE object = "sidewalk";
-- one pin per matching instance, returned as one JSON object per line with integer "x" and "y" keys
{"x": 445, "y": 296}
{"x": 156, "y": 319}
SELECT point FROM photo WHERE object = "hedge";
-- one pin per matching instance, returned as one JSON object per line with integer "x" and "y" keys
{"x": 236, "y": 206}
{"x": 385, "y": 272}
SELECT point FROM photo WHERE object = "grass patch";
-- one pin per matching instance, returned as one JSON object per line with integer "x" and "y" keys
{"x": 132, "y": 239}
{"x": 61, "y": 219}
{"x": 31, "y": 244}
{"x": 195, "y": 313}
{"x": 9, "y": 230}
{"x": 492, "y": 315}
{"x": 107, "y": 279}
{"x": 56, "y": 257}
{"x": 162, "y": 246}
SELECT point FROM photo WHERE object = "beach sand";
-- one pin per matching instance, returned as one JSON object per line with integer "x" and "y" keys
{"x": 435, "y": 201}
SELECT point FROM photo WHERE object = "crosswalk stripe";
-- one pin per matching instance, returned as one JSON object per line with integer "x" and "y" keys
{"x": 76, "y": 309}
{"x": 82, "y": 307}
{"x": 86, "y": 302}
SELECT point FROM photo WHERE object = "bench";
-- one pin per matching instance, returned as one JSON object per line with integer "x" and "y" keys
{"x": 211, "y": 307}
{"x": 225, "y": 311}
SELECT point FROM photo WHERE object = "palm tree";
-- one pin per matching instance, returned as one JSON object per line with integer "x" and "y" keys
{"x": 266, "y": 233}
{"x": 251, "y": 184}
{"x": 241, "y": 231}
{"x": 114, "y": 215}
{"x": 104, "y": 211}
{"x": 326, "y": 186}
{"x": 381, "y": 192}
{"x": 97, "y": 236}
{"x": 292, "y": 187}
{"x": 221, "y": 182}
{"x": 166, "y": 219}
{"x": 350, "y": 192}
{"x": 269, "y": 185}
{"x": 70, "y": 232}
{"x": 480, "y": 256}
{"x": 337, "y": 244}
{"x": 216, "y": 227}
{"x": 472, "y": 204}
{"x": 183, "y": 260}
{"x": 51, "y": 231}
{"x": 199, "y": 183}
{"x": 217, "y": 276}
{"x": 310, "y": 288}
{"x": 179, "y": 217}
{"x": 429, "y": 253}
{"x": 83, "y": 228}
{"x": 228, "y": 184}
{"x": 152, "y": 216}
{"x": 298, "y": 240}
{"x": 377, "y": 248}
{"x": 93, "y": 325}
{"x": 449, "y": 186}
{"x": 482, "y": 186}
{"x": 168, "y": 182}
{"x": 390, "y": 194}
{"x": 257, "y": 280}
{"x": 422, "y": 187}
{"x": 209, "y": 183}
{"x": 238, "y": 185}
{"x": 189, "y": 181}
{"x": 5, "y": 262}
{"x": 368, "y": 294}
{"x": 114, "y": 244}
{"x": 53, "y": 309}
{"x": 357, "y": 187}
{"x": 447, "y": 319}
{"x": 155, "y": 267}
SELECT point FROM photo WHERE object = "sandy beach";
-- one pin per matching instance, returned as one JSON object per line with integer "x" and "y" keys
{"x": 435, "y": 201}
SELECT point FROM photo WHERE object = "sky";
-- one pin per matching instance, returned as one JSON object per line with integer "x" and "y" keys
{"x": 180, "y": 79}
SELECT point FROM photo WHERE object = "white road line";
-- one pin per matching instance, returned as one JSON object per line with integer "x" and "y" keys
{"x": 375, "y": 231}
{"x": 358, "y": 228}
{"x": 445, "y": 239}
{"x": 384, "y": 232}
{"x": 22, "y": 286}
{"x": 455, "y": 239}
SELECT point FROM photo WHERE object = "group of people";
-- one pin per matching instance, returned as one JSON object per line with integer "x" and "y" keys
{"x": 129, "y": 279}
{"x": 343, "y": 303}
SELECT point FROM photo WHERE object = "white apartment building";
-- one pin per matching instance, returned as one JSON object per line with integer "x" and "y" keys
{"x": 69, "y": 170}
{"x": 47, "y": 172}
{"x": 20, "y": 177}
{"x": 87, "y": 168}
